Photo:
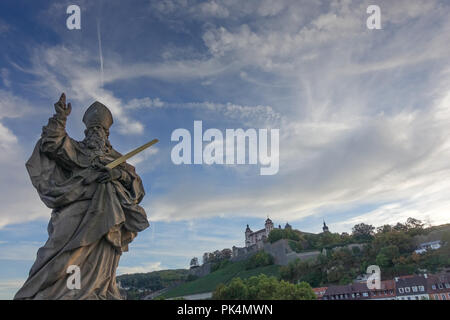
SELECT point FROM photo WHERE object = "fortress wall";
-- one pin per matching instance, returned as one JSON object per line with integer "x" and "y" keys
{"x": 202, "y": 270}
{"x": 280, "y": 250}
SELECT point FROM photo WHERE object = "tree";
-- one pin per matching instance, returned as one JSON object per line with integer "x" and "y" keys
{"x": 384, "y": 229}
{"x": 363, "y": 231}
{"x": 400, "y": 227}
{"x": 414, "y": 226}
{"x": 412, "y": 223}
{"x": 328, "y": 239}
{"x": 263, "y": 287}
{"x": 275, "y": 235}
{"x": 402, "y": 240}
{"x": 289, "y": 291}
{"x": 260, "y": 259}
{"x": 235, "y": 290}
{"x": 226, "y": 253}
{"x": 382, "y": 260}
{"x": 194, "y": 262}
{"x": 205, "y": 257}
{"x": 390, "y": 252}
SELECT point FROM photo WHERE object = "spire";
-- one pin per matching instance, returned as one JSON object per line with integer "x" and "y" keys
{"x": 325, "y": 227}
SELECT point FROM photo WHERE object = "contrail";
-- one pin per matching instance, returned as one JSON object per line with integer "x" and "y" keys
{"x": 100, "y": 50}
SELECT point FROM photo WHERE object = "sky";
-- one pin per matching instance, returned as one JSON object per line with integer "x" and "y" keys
{"x": 363, "y": 114}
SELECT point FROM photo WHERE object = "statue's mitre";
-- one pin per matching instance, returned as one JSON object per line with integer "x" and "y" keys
{"x": 98, "y": 115}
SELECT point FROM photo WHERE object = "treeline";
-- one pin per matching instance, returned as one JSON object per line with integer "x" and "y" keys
{"x": 153, "y": 281}
{"x": 263, "y": 287}
{"x": 217, "y": 256}
{"x": 259, "y": 259}
{"x": 390, "y": 247}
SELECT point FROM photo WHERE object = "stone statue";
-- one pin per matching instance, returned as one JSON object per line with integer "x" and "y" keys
{"x": 96, "y": 211}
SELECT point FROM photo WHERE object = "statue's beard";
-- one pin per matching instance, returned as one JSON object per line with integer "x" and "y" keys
{"x": 95, "y": 142}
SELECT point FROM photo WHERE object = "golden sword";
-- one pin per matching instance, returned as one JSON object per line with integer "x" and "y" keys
{"x": 130, "y": 154}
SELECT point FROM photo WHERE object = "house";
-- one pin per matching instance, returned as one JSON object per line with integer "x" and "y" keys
{"x": 438, "y": 286}
{"x": 354, "y": 291}
{"x": 411, "y": 287}
{"x": 424, "y": 247}
{"x": 360, "y": 291}
{"x": 320, "y": 292}
{"x": 386, "y": 291}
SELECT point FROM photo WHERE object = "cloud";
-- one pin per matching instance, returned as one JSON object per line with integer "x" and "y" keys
{"x": 4, "y": 27}
{"x": 362, "y": 114}
{"x": 4, "y": 75}
{"x": 19, "y": 201}
{"x": 143, "y": 268}
{"x": 20, "y": 251}
{"x": 8, "y": 287}
{"x": 72, "y": 70}
{"x": 357, "y": 129}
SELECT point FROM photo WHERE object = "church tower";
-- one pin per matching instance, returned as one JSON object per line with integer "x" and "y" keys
{"x": 248, "y": 231}
{"x": 269, "y": 226}
{"x": 325, "y": 227}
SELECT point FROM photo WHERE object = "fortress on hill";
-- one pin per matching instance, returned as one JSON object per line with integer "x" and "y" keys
{"x": 280, "y": 250}
{"x": 256, "y": 238}
{"x": 256, "y": 241}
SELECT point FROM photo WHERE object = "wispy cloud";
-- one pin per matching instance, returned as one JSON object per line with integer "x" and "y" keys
{"x": 143, "y": 268}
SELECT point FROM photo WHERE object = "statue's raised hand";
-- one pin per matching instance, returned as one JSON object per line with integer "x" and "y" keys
{"x": 61, "y": 108}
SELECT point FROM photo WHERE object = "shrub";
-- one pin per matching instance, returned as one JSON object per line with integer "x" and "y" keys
{"x": 260, "y": 259}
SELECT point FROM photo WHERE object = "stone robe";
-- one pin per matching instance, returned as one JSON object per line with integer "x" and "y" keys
{"x": 91, "y": 224}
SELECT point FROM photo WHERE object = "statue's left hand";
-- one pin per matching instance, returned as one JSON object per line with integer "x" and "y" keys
{"x": 108, "y": 175}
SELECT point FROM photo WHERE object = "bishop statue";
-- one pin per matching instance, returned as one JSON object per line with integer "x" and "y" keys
{"x": 95, "y": 208}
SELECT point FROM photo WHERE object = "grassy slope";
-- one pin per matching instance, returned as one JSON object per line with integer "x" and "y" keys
{"x": 209, "y": 282}
{"x": 167, "y": 277}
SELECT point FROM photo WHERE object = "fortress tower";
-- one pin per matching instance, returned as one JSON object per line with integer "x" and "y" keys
{"x": 258, "y": 237}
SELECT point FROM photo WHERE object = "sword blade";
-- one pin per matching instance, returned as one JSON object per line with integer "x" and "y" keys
{"x": 130, "y": 154}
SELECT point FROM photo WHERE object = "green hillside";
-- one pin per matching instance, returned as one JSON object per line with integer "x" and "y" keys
{"x": 209, "y": 282}
{"x": 153, "y": 281}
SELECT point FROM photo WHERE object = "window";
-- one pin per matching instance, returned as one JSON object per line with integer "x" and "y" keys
{"x": 417, "y": 297}
{"x": 421, "y": 288}
{"x": 436, "y": 297}
{"x": 407, "y": 289}
{"x": 365, "y": 294}
{"x": 400, "y": 290}
{"x": 447, "y": 285}
{"x": 353, "y": 295}
{"x": 414, "y": 289}
{"x": 440, "y": 286}
{"x": 443, "y": 297}
{"x": 433, "y": 287}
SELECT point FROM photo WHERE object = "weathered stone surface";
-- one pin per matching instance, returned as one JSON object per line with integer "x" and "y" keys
{"x": 93, "y": 220}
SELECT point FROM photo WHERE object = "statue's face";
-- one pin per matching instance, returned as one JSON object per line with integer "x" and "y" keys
{"x": 96, "y": 137}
